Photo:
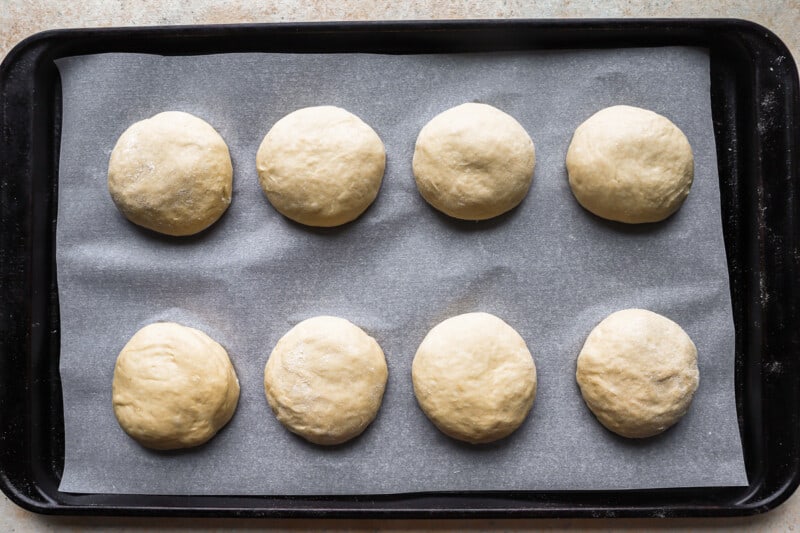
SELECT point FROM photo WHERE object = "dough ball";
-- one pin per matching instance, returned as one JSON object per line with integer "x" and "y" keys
{"x": 630, "y": 165}
{"x": 474, "y": 377}
{"x": 325, "y": 380}
{"x": 321, "y": 166}
{"x": 638, "y": 372}
{"x": 174, "y": 387}
{"x": 473, "y": 162}
{"x": 171, "y": 173}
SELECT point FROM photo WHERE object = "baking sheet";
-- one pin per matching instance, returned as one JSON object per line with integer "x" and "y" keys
{"x": 548, "y": 268}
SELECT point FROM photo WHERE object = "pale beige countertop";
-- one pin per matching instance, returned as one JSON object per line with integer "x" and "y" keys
{"x": 21, "y": 18}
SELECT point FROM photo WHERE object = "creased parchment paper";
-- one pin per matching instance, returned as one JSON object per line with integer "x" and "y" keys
{"x": 549, "y": 268}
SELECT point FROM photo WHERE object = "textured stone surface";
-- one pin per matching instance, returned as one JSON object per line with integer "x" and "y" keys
{"x": 21, "y": 18}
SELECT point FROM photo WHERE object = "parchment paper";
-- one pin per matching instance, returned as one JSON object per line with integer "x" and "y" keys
{"x": 549, "y": 268}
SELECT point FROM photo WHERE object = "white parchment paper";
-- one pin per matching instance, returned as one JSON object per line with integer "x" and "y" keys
{"x": 548, "y": 268}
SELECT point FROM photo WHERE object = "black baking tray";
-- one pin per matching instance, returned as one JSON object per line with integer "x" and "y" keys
{"x": 754, "y": 95}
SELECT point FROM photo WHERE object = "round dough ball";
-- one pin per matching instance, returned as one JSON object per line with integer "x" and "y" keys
{"x": 473, "y": 162}
{"x": 321, "y": 166}
{"x": 474, "y": 377}
{"x": 325, "y": 380}
{"x": 638, "y": 372}
{"x": 630, "y": 165}
{"x": 174, "y": 387}
{"x": 171, "y": 173}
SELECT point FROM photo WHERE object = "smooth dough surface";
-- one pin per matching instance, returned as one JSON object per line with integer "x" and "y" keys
{"x": 325, "y": 380}
{"x": 638, "y": 372}
{"x": 474, "y": 377}
{"x": 630, "y": 165}
{"x": 321, "y": 166}
{"x": 473, "y": 162}
{"x": 174, "y": 387}
{"x": 171, "y": 173}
